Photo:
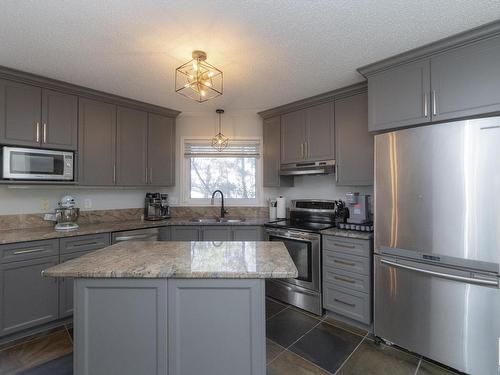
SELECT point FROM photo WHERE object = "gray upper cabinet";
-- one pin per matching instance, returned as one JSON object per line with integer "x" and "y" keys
{"x": 131, "y": 147}
{"x": 20, "y": 114}
{"x": 97, "y": 140}
{"x": 293, "y": 137}
{"x": 59, "y": 120}
{"x": 399, "y": 96}
{"x": 271, "y": 141}
{"x": 319, "y": 144}
{"x": 354, "y": 155}
{"x": 161, "y": 150}
{"x": 466, "y": 81}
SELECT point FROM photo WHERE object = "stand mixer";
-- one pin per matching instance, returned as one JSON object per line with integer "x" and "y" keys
{"x": 67, "y": 214}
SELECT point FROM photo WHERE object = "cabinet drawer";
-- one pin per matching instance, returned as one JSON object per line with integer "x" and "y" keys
{"x": 348, "y": 280}
{"x": 28, "y": 250}
{"x": 350, "y": 263}
{"x": 354, "y": 305}
{"x": 84, "y": 243}
{"x": 347, "y": 245}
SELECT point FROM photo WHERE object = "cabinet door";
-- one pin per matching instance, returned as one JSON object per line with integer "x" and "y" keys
{"x": 320, "y": 132}
{"x": 354, "y": 149}
{"x": 218, "y": 233}
{"x": 245, "y": 233}
{"x": 20, "y": 114}
{"x": 271, "y": 154}
{"x": 97, "y": 139}
{"x": 161, "y": 150}
{"x": 187, "y": 233}
{"x": 293, "y": 136}
{"x": 466, "y": 81}
{"x": 131, "y": 147}
{"x": 27, "y": 298}
{"x": 59, "y": 120}
{"x": 399, "y": 97}
{"x": 66, "y": 288}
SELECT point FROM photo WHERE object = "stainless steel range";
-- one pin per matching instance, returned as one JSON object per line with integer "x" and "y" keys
{"x": 301, "y": 235}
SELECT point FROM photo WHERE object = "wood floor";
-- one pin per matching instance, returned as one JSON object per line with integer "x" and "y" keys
{"x": 297, "y": 344}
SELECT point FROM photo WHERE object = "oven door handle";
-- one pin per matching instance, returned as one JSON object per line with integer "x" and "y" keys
{"x": 294, "y": 236}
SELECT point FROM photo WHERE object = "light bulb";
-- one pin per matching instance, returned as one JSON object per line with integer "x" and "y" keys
{"x": 207, "y": 84}
{"x": 203, "y": 93}
{"x": 210, "y": 74}
{"x": 195, "y": 65}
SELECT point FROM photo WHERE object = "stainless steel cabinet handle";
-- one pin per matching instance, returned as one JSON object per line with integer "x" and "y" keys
{"x": 439, "y": 274}
{"x": 342, "y": 245}
{"x": 151, "y": 175}
{"x": 345, "y": 263}
{"x": 343, "y": 279}
{"x": 134, "y": 237}
{"x": 344, "y": 303}
{"x": 86, "y": 244}
{"x": 426, "y": 110}
{"x": 44, "y": 133}
{"x": 434, "y": 103}
{"x": 38, "y": 132}
{"x": 28, "y": 251}
{"x": 302, "y": 150}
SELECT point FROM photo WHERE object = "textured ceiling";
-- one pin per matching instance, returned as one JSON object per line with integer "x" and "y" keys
{"x": 271, "y": 52}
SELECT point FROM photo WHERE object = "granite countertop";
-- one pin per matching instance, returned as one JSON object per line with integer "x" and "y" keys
{"x": 214, "y": 260}
{"x": 45, "y": 233}
{"x": 348, "y": 233}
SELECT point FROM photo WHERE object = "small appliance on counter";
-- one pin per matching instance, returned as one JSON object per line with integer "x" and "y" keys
{"x": 359, "y": 208}
{"x": 67, "y": 214}
{"x": 156, "y": 207}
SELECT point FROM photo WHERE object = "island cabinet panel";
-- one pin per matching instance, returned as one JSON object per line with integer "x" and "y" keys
{"x": 216, "y": 233}
{"x": 161, "y": 150}
{"x": 466, "y": 81}
{"x": 131, "y": 147}
{"x": 27, "y": 299}
{"x": 185, "y": 233}
{"x": 59, "y": 120}
{"x": 204, "y": 338}
{"x": 121, "y": 327}
{"x": 97, "y": 143}
{"x": 354, "y": 144}
{"x": 247, "y": 233}
{"x": 399, "y": 96}
{"x": 20, "y": 114}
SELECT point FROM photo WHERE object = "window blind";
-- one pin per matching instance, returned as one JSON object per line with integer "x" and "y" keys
{"x": 236, "y": 148}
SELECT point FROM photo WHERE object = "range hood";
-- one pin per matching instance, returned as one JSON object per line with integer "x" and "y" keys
{"x": 308, "y": 168}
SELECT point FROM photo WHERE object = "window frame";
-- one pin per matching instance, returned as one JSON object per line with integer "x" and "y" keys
{"x": 185, "y": 180}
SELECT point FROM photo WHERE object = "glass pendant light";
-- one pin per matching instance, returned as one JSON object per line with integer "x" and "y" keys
{"x": 220, "y": 141}
{"x": 198, "y": 80}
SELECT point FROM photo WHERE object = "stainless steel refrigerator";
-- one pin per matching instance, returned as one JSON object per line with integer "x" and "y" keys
{"x": 437, "y": 242}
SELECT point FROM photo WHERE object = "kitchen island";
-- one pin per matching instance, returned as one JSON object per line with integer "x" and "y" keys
{"x": 177, "y": 308}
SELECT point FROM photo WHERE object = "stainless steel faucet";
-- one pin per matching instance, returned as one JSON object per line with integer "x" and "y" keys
{"x": 223, "y": 211}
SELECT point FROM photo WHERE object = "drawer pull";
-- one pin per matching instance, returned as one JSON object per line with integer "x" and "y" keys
{"x": 344, "y": 279}
{"x": 344, "y": 263}
{"x": 28, "y": 251}
{"x": 344, "y": 303}
{"x": 346, "y": 246}
{"x": 86, "y": 244}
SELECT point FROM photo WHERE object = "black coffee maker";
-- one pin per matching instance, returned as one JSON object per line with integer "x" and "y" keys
{"x": 156, "y": 207}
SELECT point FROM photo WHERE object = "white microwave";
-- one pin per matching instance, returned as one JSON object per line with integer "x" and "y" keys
{"x": 37, "y": 164}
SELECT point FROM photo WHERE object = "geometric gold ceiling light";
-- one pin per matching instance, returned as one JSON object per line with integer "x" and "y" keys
{"x": 220, "y": 141}
{"x": 198, "y": 80}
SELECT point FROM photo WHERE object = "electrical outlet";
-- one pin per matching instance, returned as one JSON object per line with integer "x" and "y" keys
{"x": 44, "y": 205}
{"x": 87, "y": 203}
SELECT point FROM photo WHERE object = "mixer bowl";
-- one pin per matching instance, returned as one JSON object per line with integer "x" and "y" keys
{"x": 67, "y": 215}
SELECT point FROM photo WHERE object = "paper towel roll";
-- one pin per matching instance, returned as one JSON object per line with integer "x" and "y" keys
{"x": 281, "y": 208}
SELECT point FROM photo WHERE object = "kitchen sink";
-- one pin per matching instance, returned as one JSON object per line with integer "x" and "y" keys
{"x": 216, "y": 220}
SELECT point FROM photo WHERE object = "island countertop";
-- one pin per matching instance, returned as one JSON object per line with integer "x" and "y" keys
{"x": 169, "y": 259}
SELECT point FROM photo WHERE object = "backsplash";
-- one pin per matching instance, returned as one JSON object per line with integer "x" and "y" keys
{"x": 24, "y": 221}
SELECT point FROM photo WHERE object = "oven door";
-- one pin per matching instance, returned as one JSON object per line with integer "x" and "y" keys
{"x": 304, "y": 250}
{"x": 35, "y": 164}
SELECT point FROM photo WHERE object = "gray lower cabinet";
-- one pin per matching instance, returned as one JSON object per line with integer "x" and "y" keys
{"x": 185, "y": 233}
{"x": 59, "y": 120}
{"x": 27, "y": 299}
{"x": 466, "y": 81}
{"x": 354, "y": 144}
{"x": 20, "y": 114}
{"x": 161, "y": 150}
{"x": 399, "y": 96}
{"x": 347, "y": 287}
{"x": 247, "y": 233}
{"x": 131, "y": 147}
{"x": 216, "y": 233}
{"x": 97, "y": 142}
{"x": 66, "y": 288}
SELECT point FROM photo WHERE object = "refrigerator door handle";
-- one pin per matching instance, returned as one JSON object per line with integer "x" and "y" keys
{"x": 440, "y": 274}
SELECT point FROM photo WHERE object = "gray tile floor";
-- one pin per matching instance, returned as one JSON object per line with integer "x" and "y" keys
{"x": 297, "y": 344}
